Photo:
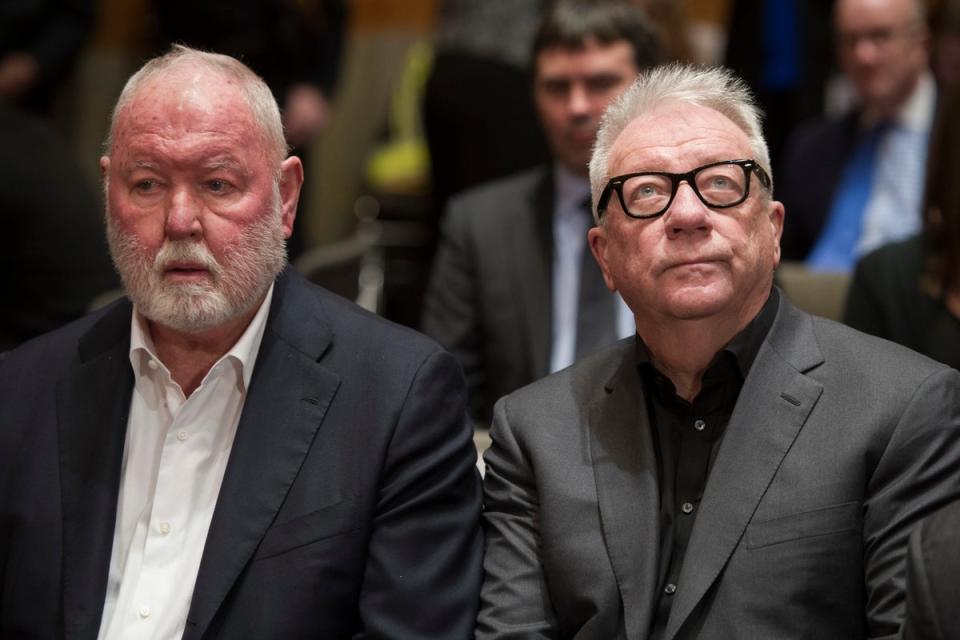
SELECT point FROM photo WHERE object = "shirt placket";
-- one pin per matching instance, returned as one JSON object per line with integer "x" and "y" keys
{"x": 163, "y": 538}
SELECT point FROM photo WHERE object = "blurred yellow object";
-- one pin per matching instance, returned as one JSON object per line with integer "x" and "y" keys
{"x": 400, "y": 167}
{"x": 402, "y": 164}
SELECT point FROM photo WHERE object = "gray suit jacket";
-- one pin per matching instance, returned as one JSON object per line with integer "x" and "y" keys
{"x": 933, "y": 578}
{"x": 490, "y": 296}
{"x": 838, "y": 444}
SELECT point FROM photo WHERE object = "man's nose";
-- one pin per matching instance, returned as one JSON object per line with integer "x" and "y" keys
{"x": 183, "y": 215}
{"x": 864, "y": 50}
{"x": 579, "y": 102}
{"x": 687, "y": 214}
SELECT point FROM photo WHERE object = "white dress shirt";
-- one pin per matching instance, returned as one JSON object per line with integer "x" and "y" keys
{"x": 570, "y": 226}
{"x": 174, "y": 458}
{"x": 893, "y": 211}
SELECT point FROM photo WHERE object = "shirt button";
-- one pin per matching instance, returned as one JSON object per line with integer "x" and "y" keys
{"x": 182, "y": 435}
{"x": 686, "y": 507}
{"x": 670, "y": 589}
{"x": 164, "y": 528}
{"x": 699, "y": 425}
{"x": 152, "y": 364}
{"x": 144, "y": 612}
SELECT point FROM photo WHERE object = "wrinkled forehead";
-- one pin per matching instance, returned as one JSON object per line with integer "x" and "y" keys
{"x": 676, "y": 137}
{"x": 186, "y": 100}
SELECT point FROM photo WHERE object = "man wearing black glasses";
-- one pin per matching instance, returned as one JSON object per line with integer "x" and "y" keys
{"x": 740, "y": 469}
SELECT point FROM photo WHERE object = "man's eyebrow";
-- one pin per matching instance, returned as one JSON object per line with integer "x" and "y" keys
{"x": 136, "y": 165}
{"x": 223, "y": 163}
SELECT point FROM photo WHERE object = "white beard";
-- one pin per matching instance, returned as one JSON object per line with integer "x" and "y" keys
{"x": 249, "y": 267}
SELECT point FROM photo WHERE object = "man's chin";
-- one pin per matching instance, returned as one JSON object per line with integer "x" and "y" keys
{"x": 699, "y": 302}
{"x": 188, "y": 308}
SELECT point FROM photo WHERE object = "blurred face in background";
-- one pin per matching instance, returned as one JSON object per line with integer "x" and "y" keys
{"x": 572, "y": 88}
{"x": 883, "y": 50}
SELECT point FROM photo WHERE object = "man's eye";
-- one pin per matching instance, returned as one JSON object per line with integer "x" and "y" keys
{"x": 145, "y": 186}
{"x": 719, "y": 182}
{"x": 218, "y": 186}
{"x": 642, "y": 191}
{"x": 556, "y": 88}
{"x": 602, "y": 83}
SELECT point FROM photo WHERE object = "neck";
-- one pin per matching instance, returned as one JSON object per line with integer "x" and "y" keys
{"x": 890, "y": 110}
{"x": 189, "y": 356}
{"x": 683, "y": 350}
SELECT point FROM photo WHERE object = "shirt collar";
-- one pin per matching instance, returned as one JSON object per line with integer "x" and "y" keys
{"x": 570, "y": 189}
{"x": 244, "y": 351}
{"x": 917, "y": 112}
{"x": 745, "y": 345}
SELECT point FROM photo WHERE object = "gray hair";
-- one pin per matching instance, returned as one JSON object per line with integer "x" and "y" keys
{"x": 716, "y": 88}
{"x": 259, "y": 98}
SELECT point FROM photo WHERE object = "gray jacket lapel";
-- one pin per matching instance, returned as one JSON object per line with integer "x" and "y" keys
{"x": 773, "y": 405}
{"x": 93, "y": 403}
{"x": 289, "y": 396}
{"x": 531, "y": 242}
{"x": 625, "y": 470}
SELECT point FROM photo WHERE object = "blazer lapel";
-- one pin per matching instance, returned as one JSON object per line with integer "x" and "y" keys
{"x": 773, "y": 406}
{"x": 625, "y": 471}
{"x": 532, "y": 242}
{"x": 93, "y": 403}
{"x": 288, "y": 398}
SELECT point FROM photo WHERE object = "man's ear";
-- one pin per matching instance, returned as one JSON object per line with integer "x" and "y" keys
{"x": 291, "y": 181}
{"x": 597, "y": 239}
{"x": 776, "y": 215}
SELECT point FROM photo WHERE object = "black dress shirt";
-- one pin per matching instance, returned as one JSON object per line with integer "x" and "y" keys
{"x": 687, "y": 436}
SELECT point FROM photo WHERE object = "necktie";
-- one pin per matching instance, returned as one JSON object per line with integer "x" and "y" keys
{"x": 596, "y": 311}
{"x": 836, "y": 248}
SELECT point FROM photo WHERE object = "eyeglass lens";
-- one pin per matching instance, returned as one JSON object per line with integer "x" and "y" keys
{"x": 719, "y": 186}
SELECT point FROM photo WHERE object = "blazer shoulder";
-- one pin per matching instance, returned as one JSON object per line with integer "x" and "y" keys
{"x": 820, "y": 135}
{"x": 494, "y": 203}
{"x": 873, "y": 359}
{"x": 361, "y": 335}
{"x": 568, "y": 391}
{"x": 51, "y": 351}
{"x": 898, "y": 262}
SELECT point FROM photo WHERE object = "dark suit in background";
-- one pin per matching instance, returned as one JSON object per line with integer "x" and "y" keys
{"x": 55, "y": 260}
{"x": 786, "y": 102}
{"x": 933, "y": 578}
{"x": 51, "y": 33}
{"x": 812, "y": 168}
{"x": 490, "y": 298}
{"x": 838, "y": 445}
{"x": 887, "y": 298}
{"x": 349, "y": 507}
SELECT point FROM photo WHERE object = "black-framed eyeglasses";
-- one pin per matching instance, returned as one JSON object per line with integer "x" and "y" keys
{"x": 650, "y": 193}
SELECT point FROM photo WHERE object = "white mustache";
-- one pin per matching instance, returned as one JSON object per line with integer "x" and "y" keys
{"x": 178, "y": 251}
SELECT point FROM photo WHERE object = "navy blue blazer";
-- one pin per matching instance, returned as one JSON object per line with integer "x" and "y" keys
{"x": 813, "y": 165}
{"x": 350, "y": 500}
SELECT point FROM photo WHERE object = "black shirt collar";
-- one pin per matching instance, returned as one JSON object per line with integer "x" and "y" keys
{"x": 744, "y": 346}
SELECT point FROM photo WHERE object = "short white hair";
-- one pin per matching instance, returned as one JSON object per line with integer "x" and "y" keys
{"x": 716, "y": 88}
{"x": 259, "y": 98}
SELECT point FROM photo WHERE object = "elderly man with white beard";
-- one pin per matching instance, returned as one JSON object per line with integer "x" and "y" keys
{"x": 230, "y": 452}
